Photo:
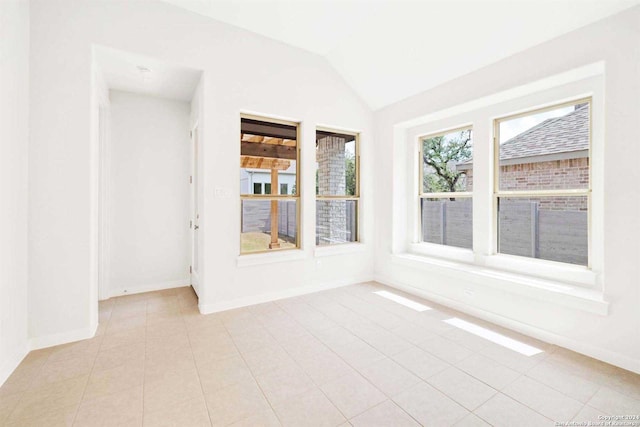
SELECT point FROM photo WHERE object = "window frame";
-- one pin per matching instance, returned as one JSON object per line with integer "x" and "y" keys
{"x": 584, "y": 82}
{"x": 440, "y": 195}
{"x": 497, "y": 193}
{"x": 270, "y": 197}
{"x": 356, "y": 196}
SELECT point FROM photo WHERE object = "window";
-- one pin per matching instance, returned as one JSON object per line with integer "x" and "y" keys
{"x": 536, "y": 171}
{"x": 542, "y": 183}
{"x": 284, "y": 188}
{"x": 446, "y": 181}
{"x": 269, "y": 158}
{"x": 337, "y": 187}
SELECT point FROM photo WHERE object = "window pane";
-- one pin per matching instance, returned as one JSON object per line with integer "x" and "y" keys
{"x": 336, "y": 160}
{"x": 447, "y": 162}
{"x": 256, "y": 225}
{"x": 448, "y": 221}
{"x": 551, "y": 228}
{"x": 547, "y": 150}
{"x": 336, "y": 221}
{"x": 267, "y": 148}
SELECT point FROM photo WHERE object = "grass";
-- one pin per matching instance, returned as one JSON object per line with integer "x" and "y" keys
{"x": 256, "y": 241}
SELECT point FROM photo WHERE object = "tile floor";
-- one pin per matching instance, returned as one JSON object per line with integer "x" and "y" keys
{"x": 336, "y": 358}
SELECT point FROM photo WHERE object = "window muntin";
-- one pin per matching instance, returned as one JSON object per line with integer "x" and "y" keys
{"x": 446, "y": 184}
{"x": 337, "y": 187}
{"x": 542, "y": 185}
{"x": 269, "y": 155}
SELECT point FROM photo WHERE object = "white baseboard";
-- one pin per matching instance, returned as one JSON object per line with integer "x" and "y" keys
{"x": 62, "y": 338}
{"x": 599, "y": 353}
{"x": 117, "y": 291}
{"x": 10, "y": 365}
{"x": 85, "y": 333}
{"x": 273, "y": 296}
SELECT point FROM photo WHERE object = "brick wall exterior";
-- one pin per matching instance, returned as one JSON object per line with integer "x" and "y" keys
{"x": 331, "y": 219}
{"x": 557, "y": 174}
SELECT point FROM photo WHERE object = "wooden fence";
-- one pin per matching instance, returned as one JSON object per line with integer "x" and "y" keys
{"x": 256, "y": 217}
{"x": 448, "y": 222}
{"x": 525, "y": 229}
{"x": 555, "y": 235}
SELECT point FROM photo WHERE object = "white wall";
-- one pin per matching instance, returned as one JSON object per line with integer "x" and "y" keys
{"x": 14, "y": 134}
{"x": 288, "y": 83}
{"x": 149, "y": 193}
{"x": 613, "y": 337}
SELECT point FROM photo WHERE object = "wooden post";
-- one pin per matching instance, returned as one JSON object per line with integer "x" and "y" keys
{"x": 274, "y": 211}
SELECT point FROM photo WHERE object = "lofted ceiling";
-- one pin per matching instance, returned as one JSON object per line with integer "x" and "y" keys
{"x": 388, "y": 50}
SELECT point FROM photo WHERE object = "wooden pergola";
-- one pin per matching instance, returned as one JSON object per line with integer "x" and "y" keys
{"x": 268, "y": 146}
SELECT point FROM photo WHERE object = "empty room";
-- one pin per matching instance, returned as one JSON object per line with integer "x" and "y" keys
{"x": 319, "y": 213}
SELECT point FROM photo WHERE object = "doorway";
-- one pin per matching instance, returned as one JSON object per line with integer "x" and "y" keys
{"x": 149, "y": 145}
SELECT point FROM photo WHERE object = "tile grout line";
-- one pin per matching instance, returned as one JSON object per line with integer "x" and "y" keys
{"x": 319, "y": 386}
{"x": 333, "y": 299}
{"x": 475, "y": 351}
{"x": 515, "y": 400}
{"x": 197, "y": 368}
{"x": 181, "y": 318}
{"x": 29, "y": 383}
{"x": 144, "y": 361}
{"x": 390, "y": 398}
{"x": 440, "y": 334}
{"x": 255, "y": 380}
{"x": 90, "y": 372}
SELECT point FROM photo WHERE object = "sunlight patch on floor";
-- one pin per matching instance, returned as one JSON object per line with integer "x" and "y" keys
{"x": 402, "y": 300}
{"x": 494, "y": 337}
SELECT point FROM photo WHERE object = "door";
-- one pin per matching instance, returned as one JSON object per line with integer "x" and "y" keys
{"x": 195, "y": 213}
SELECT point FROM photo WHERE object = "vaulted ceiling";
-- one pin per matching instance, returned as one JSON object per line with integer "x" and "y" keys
{"x": 388, "y": 50}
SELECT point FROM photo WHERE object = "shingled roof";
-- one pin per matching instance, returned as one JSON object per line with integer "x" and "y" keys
{"x": 562, "y": 134}
{"x": 557, "y": 135}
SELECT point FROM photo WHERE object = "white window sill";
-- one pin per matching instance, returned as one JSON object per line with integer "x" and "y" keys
{"x": 543, "y": 269}
{"x": 270, "y": 257}
{"x": 443, "y": 251}
{"x": 556, "y": 292}
{"x": 340, "y": 249}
